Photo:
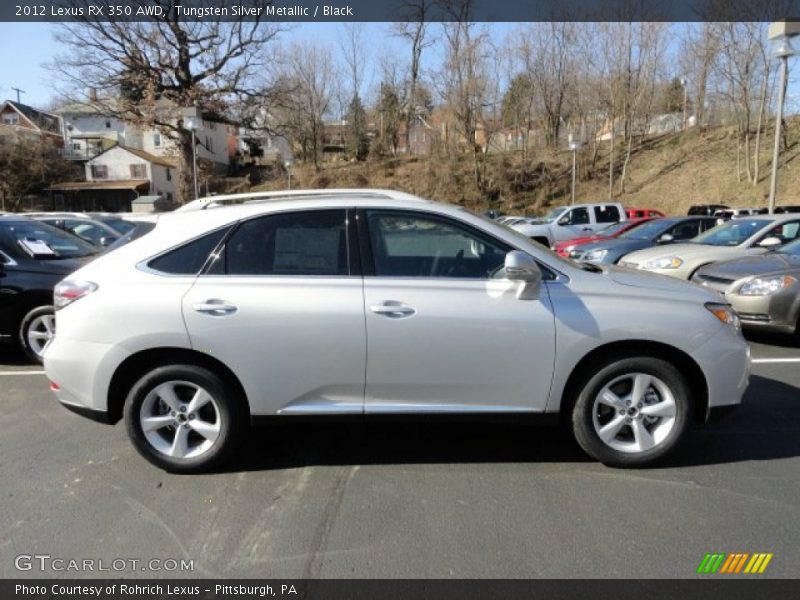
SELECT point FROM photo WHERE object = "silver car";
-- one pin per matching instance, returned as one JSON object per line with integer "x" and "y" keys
{"x": 371, "y": 302}
{"x": 748, "y": 236}
{"x": 764, "y": 290}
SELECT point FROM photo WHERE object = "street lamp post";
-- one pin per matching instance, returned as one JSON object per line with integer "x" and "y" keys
{"x": 288, "y": 165}
{"x": 191, "y": 121}
{"x": 685, "y": 100}
{"x": 780, "y": 34}
{"x": 574, "y": 146}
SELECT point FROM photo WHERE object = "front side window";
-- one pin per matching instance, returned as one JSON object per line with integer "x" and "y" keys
{"x": 297, "y": 243}
{"x": 685, "y": 231}
{"x": 417, "y": 245}
{"x": 577, "y": 216}
{"x": 786, "y": 232}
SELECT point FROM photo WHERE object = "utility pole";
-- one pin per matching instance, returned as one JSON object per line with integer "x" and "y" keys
{"x": 19, "y": 91}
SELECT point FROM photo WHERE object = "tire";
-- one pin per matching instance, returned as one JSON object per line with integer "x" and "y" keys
{"x": 652, "y": 425}
{"x": 182, "y": 439}
{"x": 35, "y": 331}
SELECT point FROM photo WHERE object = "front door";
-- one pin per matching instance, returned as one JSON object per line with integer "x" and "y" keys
{"x": 445, "y": 331}
{"x": 283, "y": 305}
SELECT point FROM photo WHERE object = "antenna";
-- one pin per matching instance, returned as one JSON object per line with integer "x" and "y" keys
{"x": 19, "y": 91}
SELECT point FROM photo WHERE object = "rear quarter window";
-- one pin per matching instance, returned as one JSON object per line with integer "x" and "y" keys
{"x": 190, "y": 257}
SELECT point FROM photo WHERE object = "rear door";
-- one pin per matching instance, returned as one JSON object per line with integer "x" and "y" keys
{"x": 446, "y": 332}
{"x": 282, "y": 305}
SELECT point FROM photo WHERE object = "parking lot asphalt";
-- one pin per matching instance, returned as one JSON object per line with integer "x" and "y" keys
{"x": 404, "y": 500}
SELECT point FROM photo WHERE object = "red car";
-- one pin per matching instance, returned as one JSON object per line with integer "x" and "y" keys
{"x": 641, "y": 213}
{"x": 612, "y": 231}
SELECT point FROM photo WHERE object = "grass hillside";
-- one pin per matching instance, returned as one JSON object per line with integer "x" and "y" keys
{"x": 668, "y": 172}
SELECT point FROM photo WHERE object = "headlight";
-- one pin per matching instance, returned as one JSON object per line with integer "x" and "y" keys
{"x": 724, "y": 313}
{"x": 595, "y": 255}
{"x": 765, "y": 286}
{"x": 671, "y": 262}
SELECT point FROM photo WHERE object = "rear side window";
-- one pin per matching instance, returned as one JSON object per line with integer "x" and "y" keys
{"x": 607, "y": 214}
{"x": 685, "y": 231}
{"x": 297, "y": 243}
{"x": 189, "y": 258}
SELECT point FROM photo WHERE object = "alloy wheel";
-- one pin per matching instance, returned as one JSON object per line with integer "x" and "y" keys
{"x": 40, "y": 331}
{"x": 634, "y": 413}
{"x": 180, "y": 419}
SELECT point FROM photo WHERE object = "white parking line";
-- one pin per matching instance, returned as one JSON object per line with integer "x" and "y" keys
{"x": 758, "y": 361}
{"x": 21, "y": 373}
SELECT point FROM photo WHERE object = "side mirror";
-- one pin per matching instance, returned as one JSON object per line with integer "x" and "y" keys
{"x": 770, "y": 242}
{"x": 666, "y": 238}
{"x": 520, "y": 266}
{"x": 107, "y": 240}
{"x": 564, "y": 220}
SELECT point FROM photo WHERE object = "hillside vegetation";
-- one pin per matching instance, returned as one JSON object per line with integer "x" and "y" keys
{"x": 668, "y": 172}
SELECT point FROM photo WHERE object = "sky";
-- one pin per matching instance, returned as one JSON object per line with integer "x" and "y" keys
{"x": 26, "y": 47}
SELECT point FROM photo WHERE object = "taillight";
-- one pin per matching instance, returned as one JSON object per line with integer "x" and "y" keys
{"x": 68, "y": 291}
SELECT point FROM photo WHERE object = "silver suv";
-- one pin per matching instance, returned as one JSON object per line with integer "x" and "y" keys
{"x": 375, "y": 302}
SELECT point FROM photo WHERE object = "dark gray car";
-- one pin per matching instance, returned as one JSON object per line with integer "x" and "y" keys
{"x": 658, "y": 231}
{"x": 764, "y": 290}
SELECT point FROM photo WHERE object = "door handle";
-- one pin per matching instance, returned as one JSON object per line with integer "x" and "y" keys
{"x": 217, "y": 308}
{"x": 586, "y": 229}
{"x": 393, "y": 309}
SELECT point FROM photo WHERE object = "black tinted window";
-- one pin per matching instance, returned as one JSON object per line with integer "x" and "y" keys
{"x": 416, "y": 245}
{"x": 298, "y": 243}
{"x": 685, "y": 231}
{"x": 607, "y": 214}
{"x": 579, "y": 216}
{"x": 189, "y": 258}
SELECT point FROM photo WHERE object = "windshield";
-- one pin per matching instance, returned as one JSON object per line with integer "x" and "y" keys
{"x": 43, "y": 241}
{"x": 731, "y": 233}
{"x": 790, "y": 248}
{"x": 647, "y": 231}
{"x": 120, "y": 225}
{"x": 553, "y": 214}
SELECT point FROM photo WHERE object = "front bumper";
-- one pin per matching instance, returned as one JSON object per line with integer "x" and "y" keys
{"x": 725, "y": 361}
{"x": 766, "y": 313}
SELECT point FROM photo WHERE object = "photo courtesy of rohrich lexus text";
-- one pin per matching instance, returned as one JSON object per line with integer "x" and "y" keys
{"x": 420, "y": 299}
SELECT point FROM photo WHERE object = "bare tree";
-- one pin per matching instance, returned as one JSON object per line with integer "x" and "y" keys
{"x": 307, "y": 76}
{"x": 146, "y": 73}
{"x": 415, "y": 31}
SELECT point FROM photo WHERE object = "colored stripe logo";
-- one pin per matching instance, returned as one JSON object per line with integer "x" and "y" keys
{"x": 734, "y": 563}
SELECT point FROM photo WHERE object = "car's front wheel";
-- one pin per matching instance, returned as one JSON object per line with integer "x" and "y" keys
{"x": 36, "y": 330}
{"x": 183, "y": 418}
{"x": 632, "y": 412}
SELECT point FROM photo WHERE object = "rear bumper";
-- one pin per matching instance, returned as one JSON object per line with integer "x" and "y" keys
{"x": 83, "y": 372}
{"x": 100, "y": 416}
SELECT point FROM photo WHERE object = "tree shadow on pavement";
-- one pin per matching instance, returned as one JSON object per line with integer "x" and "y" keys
{"x": 765, "y": 427}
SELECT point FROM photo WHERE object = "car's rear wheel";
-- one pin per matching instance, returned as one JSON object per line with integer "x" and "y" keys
{"x": 183, "y": 418}
{"x": 632, "y": 412}
{"x": 36, "y": 330}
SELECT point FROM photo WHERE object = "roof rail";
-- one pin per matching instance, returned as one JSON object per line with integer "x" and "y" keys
{"x": 250, "y": 197}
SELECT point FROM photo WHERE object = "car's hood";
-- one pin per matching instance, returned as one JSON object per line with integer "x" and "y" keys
{"x": 686, "y": 252}
{"x": 772, "y": 262}
{"x": 528, "y": 229}
{"x": 672, "y": 286}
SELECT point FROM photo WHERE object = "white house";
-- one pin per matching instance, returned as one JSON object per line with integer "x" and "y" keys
{"x": 122, "y": 163}
{"x": 89, "y": 129}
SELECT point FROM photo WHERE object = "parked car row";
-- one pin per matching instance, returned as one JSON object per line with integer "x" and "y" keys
{"x": 37, "y": 250}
